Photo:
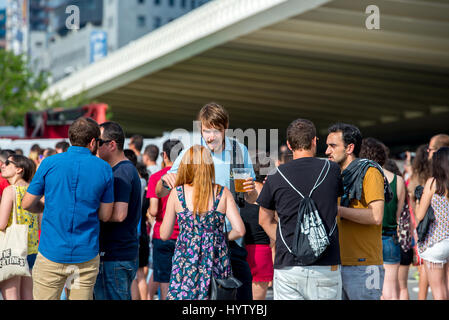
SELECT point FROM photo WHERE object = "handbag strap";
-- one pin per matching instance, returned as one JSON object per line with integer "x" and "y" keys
{"x": 225, "y": 227}
{"x": 14, "y": 206}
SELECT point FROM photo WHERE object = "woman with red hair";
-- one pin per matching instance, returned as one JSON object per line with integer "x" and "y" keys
{"x": 200, "y": 207}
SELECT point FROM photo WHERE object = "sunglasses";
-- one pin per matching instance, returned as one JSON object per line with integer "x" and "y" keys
{"x": 7, "y": 162}
{"x": 102, "y": 142}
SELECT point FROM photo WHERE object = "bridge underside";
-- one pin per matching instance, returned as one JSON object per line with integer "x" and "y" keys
{"x": 323, "y": 64}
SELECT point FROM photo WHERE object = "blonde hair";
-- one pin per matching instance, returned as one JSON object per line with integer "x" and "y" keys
{"x": 197, "y": 169}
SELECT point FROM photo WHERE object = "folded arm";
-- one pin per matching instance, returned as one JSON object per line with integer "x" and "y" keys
{"x": 32, "y": 203}
{"x": 119, "y": 212}
{"x": 372, "y": 215}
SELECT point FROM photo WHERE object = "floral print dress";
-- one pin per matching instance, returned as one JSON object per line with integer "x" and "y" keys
{"x": 200, "y": 250}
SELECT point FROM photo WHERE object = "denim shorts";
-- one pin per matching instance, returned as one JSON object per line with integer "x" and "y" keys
{"x": 391, "y": 250}
{"x": 163, "y": 252}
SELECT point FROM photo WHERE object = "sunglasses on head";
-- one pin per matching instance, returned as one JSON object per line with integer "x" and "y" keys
{"x": 102, "y": 142}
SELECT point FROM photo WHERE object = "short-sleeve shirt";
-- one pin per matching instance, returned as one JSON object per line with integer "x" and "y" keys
{"x": 119, "y": 240}
{"x": 278, "y": 195}
{"x": 361, "y": 244}
{"x": 74, "y": 184}
{"x": 151, "y": 193}
{"x": 222, "y": 166}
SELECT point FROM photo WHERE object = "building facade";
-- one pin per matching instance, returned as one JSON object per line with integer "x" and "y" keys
{"x": 17, "y": 26}
{"x": 104, "y": 26}
{"x": 2, "y": 28}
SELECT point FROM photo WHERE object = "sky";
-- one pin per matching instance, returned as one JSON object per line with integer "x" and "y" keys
{"x": 3, "y": 3}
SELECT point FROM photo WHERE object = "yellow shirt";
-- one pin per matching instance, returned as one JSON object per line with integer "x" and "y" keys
{"x": 25, "y": 217}
{"x": 361, "y": 244}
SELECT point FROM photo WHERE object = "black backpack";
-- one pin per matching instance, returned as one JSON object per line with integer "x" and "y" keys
{"x": 310, "y": 240}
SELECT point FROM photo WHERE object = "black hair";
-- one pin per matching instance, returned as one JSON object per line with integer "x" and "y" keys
{"x": 113, "y": 131}
{"x": 440, "y": 170}
{"x": 131, "y": 156}
{"x": 137, "y": 141}
{"x": 63, "y": 145}
{"x": 391, "y": 166}
{"x": 142, "y": 170}
{"x": 172, "y": 148}
{"x": 152, "y": 151}
{"x": 28, "y": 166}
{"x": 350, "y": 133}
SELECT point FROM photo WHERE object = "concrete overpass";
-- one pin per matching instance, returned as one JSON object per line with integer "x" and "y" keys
{"x": 271, "y": 61}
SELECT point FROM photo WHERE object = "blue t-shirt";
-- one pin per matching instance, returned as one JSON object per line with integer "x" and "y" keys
{"x": 119, "y": 240}
{"x": 73, "y": 183}
{"x": 222, "y": 166}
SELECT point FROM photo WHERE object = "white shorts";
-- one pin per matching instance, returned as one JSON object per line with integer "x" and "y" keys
{"x": 438, "y": 253}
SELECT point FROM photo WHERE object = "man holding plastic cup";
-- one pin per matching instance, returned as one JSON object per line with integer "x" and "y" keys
{"x": 214, "y": 121}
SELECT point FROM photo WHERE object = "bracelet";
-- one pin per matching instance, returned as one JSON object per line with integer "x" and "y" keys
{"x": 165, "y": 185}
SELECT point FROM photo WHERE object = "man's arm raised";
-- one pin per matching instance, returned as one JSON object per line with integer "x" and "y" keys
{"x": 169, "y": 179}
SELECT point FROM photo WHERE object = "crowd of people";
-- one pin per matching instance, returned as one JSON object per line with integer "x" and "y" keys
{"x": 108, "y": 223}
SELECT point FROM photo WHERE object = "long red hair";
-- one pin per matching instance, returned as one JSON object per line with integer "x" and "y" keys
{"x": 197, "y": 170}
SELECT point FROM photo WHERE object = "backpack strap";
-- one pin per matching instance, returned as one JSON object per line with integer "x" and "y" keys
{"x": 289, "y": 182}
{"x": 318, "y": 182}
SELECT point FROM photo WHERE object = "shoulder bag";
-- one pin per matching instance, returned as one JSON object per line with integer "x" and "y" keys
{"x": 14, "y": 248}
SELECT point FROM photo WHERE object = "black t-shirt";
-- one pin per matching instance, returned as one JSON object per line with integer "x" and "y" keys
{"x": 278, "y": 195}
{"x": 254, "y": 232}
{"x": 119, "y": 240}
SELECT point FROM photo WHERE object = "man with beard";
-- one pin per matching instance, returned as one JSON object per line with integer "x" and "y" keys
{"x": 78, "y": 190}
{"x": 360, "y": 214}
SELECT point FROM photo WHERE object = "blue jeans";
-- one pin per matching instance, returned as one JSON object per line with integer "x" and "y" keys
{"x": 114, "y": 280}
{"x": 362, "y": 282}
{"x": 307, "y": 283}
{"x": 391, "y": 250}
{"x": 163, "y": 252}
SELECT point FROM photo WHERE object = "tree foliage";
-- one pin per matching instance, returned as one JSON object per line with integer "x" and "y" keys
{"x": 21, "y": 90}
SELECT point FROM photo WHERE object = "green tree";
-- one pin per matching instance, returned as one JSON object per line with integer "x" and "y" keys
{"x": 21, "y": 90}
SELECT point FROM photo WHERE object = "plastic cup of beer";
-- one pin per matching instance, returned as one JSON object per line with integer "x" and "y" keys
{"x": 240, "y": 176}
